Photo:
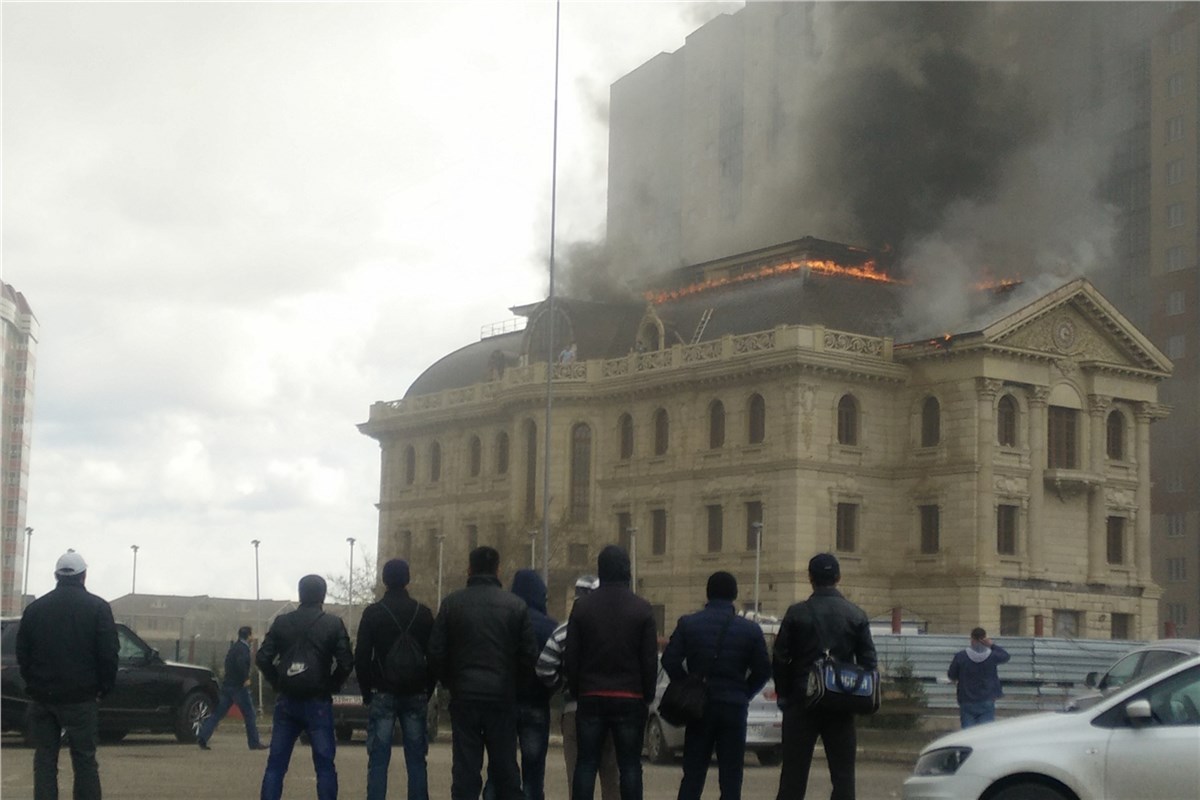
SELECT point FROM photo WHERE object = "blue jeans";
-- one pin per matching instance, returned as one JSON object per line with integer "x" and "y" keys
{"x": 723, "y": 727}
{"x": 47, "y": 722}
{"x": 977, "y": 713}
{"x": 411, "y": 710}
{"x": 533, "y": 737}
{"x": 229, "y": 696}
{"x": 596, "y": 718}
{"x": 294, "y": 715}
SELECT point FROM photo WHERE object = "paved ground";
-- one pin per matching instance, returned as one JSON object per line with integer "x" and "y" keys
{"x": 157, "y": 768}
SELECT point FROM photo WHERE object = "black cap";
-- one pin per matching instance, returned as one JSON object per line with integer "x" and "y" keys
{"x": 823, "y": 568}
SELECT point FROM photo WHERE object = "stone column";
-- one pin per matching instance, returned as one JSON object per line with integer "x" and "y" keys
{"x": 1037, "y": 469}
{"x": 1145, "y": 414}
{"x": 985, "y": 500}
{"x": 1097, "y": 518}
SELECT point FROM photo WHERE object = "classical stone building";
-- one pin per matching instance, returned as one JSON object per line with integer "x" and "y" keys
{"x": 995, "y": 475}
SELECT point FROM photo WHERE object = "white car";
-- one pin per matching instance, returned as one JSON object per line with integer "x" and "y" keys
{"x": 1141, "y": 742}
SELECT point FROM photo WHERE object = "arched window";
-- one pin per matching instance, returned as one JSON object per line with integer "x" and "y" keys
{"x": 931, "y": 422}
{"x": 847, "y": 420}
{"x": 475, "y": 454}
{"x": 502, "y": 453}
{"x": 410, "y": 465}
{"x": 581, "y": 472}
{"x": 757, "y": 419}
{"x": 662, "y": 432}
{"x": 435, "y": 462}
{"x": 1116, "y": 435}
{"x": 625, "y": 423}
{"x": 1006, "y": 421}
{"x": 716, "y": 425}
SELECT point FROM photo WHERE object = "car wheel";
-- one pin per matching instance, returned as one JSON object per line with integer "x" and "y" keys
{"x": 1028, "y": 791}
{"x": 656, "y": 743}
{"x": 112, "y": 736}
{"x": 344, "y": 733}
{"x": 195, "y": 708}
{"x": 772, "y": 757}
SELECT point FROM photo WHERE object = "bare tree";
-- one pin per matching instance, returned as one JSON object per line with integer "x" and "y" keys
{"x": 358, "y": 589}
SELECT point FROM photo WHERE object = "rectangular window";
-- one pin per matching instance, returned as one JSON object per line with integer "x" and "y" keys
{"x": 847, "y": 526}
{"x": 1176, "y": 569}
{"x": 1067, "y": 624}
{"x": 406, "y": 544}
{"x": 472, "y": 537}
{"x": 1175, "y": 128}
{"x": 1177, "y": 613}
{"x": 1122, "y": 626}
{"x": 624, "y": 523}
{"x": 716, "y": 520}
{"x": 1175, "y": 525}
{"x": 1176, "y": 346}
{"x": 1174, "y": 303}
{"x": 1006, "y": 530}
{"x": 1116, "y": 540}
{"x": 658, "y": 525}
{"x": 1012, "y": 621}
{"x": 1174, "y": 171}
{"x": 1176, "y": 259}
{"x": 1175, "y": 215}
{"x": 930, "y": 529}
{"x": 1061, "y": 439}
{"x": 754, "y": 516}
{"x": 1175, "y": 84}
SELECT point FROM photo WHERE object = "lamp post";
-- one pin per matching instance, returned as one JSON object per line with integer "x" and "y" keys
{"x": 350, "y": 539}
{"x": 757, "y": 526}
{"x": 533, "y": 548}
{"x": 25, "y": 586}
{"x": 133, "y": 587}
{"x": 258, "y": 614}
{"x": 632, "y": 556}
{"x": 441, "y": 538}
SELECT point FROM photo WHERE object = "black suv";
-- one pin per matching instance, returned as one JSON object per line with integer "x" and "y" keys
{"x": 150, "y": 694}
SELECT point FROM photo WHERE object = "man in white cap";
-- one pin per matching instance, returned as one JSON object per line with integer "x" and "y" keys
{"x": 67, "y": 653}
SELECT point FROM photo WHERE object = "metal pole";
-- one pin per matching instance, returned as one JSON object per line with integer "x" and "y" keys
{"x": 133, "y": 588}
{"x": 440, "y": 539}
{"x": 258, "y": 615}
{"x": 757, "y": 563}
{"x": 533, "y": 548}
{"x": 633, "y": 557}
{"x": 550, "y": 313}
{"x": 350, "y": 622}
{"x": 25, "y": 586}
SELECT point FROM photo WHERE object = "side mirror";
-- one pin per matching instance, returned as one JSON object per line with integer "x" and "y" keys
{"x": 153, "y": 657}
{"x": 1091, "y": 679}
{"x": 1138, "y": 711}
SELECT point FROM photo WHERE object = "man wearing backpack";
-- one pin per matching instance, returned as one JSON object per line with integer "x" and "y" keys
{"x": 390, "y": 660}
{"x": 306, "y": 658}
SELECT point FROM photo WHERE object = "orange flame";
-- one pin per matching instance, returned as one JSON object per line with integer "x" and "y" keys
{"x": 865, "y": 271}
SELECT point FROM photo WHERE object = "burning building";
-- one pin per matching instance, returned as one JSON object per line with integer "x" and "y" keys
{"x": 995, "y": 474}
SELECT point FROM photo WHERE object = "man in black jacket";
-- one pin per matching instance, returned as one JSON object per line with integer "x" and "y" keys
{"x": 482, "y": 641}
{"x": 67, "y": 654}
{"x": 611, "y": 664}
{"x": 235, "y": 690}
{"x": 407, "y": 698}
{"x": 826, "y": 621}
{"x": 306, "y": 658}
{"x": 731, "y": 652}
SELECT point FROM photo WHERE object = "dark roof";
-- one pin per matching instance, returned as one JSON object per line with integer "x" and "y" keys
{"x": 468, "y": 365}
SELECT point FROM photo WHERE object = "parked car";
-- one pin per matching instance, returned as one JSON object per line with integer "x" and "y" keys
{"x": 350, "y": 715}
{"x": 1139, "y": 663}
{"x": 764, "y": 727}
{"x": 151, "y": 694}
{"x": 1139, "y": 742}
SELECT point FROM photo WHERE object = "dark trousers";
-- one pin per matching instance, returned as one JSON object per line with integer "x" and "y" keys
{"x": 293, "y": 716}
{"x": 801, "y": 729}
{"x": 597, "y": 718}
{"x": 47, "y": 724}
{"x": 723, "y": 728}
{"x": 533, "y": 737}
{"x": 477, "y": 726}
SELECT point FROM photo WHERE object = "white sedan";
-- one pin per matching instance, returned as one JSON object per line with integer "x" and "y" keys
{"x": 1139, "y": 743}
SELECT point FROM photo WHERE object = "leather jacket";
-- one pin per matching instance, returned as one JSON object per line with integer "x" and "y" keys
{"x": 327, "y": 631}
{"x": 825, "y": 621}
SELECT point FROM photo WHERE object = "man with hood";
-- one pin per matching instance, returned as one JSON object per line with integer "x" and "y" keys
{"x": 67, "y": 655}
{"x": 611, "y": 663}
{"x": 311, "y": 649}
{"x": 974, "y": 670}
{"x": 533, "y": 697}
{"x": 406, "y": 698}
{"x": 482, "y": 641}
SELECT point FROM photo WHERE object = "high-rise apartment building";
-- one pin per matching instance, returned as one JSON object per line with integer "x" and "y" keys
{"x": 18, "y": 342}
{"x": 875, "y": 123}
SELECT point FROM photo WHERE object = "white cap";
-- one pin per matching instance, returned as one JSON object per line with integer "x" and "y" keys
{"x": 70, "y": 564}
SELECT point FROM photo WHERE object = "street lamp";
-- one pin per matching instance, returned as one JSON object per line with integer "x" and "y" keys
{"x": 441, "y": 538}
{"x": 25, "y": 586}
{"x": 632, "y": 556}
{"x": 133, "y": 588}
{"x": 757, "y": 526}
{"x": 350, "y": 539}
{"x": 258, "y": 614}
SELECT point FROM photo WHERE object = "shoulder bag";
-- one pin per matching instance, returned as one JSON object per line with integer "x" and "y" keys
{"x": 839, "y": 686}
{"x": 684, "y": 701}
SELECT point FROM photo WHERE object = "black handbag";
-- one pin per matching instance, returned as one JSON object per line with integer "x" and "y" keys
{"x": 684, "y": 701}
{"x": 838, "y": 686}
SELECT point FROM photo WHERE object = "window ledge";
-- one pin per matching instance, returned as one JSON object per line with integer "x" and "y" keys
{"x": 1068, "y": 482}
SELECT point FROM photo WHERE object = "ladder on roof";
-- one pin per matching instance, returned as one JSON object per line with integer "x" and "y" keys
{"x": 702, "y": 324}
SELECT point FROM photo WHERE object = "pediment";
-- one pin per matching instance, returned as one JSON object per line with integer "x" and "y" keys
{"x": 1076, "y": 322}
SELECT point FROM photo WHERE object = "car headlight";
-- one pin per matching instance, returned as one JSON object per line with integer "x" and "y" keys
{"x": 944, "y": 761}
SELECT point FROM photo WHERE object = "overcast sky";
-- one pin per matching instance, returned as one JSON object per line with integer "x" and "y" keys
{"x": 240, "y": 224}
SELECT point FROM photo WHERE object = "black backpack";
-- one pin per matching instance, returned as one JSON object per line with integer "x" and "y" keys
{"x": 304, "y": 669}
{"x": 404, "y": 666}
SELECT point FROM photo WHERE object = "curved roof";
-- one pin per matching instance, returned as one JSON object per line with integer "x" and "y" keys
{"x": 468, "y": 365}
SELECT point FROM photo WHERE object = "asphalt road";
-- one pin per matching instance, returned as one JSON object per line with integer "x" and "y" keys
{"x": 157, "y": 768}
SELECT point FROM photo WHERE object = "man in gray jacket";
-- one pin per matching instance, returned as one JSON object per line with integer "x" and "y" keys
{"x": 482, "y": 640}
